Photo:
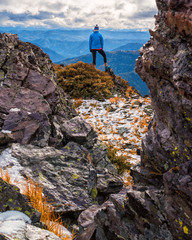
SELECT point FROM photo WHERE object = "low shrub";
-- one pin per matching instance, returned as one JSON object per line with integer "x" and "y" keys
{"x": 81, "y": 80}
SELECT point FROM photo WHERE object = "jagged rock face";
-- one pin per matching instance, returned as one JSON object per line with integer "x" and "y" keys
{"x": 158, "y": 206}
{"x": 32, "y": 107}
{"x": 165, "y": 65}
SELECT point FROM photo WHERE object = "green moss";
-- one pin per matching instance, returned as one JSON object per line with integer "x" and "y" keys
{"x": 16, "y": 189}
{"x": 41, "y": 177}
{"x": 28, "y": 213}
{"x": 185, "y": 230}
{"x": 75, "y": 176}
{"x": 94, "y": 193}
{"x": 67, "y": 147}
{"x": 188, "y": 119}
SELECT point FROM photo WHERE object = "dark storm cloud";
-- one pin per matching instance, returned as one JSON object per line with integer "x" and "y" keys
{"x": 22, "y": 17}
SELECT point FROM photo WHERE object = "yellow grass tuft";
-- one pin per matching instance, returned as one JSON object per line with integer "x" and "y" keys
{"x": 115, "y": 100}
{"x": 54, "y": 223}
{"x": 78, "y": 102}
{"x": 5, "y": 176}
{"x": 34, "y": 193}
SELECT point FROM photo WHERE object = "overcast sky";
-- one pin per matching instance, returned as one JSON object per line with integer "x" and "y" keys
{"x": 118, "y": 14}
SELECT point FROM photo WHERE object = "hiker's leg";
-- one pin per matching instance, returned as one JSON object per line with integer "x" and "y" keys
{"x": 104, "y": 56}
{"x": 94, "y": 52}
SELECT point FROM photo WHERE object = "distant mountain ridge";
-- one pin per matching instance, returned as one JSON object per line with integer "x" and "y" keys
{"x": 70, "y": 43}
{"x": 122, "y": 63}
{"x": 129, "y": 47}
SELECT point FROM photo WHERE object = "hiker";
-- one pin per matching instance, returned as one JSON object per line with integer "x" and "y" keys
{"x": 96, "y": 45}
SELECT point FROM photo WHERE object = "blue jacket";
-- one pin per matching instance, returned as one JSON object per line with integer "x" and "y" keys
{"x": 95, "y": 41}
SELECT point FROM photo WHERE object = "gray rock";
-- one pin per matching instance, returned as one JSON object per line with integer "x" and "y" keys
{"x": 67, "y": 176}
{"x": 18, "y": 229}
{"x": 123, "y": 130}
{"x": 76, "y": 129}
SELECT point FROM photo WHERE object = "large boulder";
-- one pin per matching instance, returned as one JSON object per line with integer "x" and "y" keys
{"x": 69, "y": 178}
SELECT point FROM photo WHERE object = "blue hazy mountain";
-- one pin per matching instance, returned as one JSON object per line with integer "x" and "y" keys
{"x": 69, "y": 43}
{"x": 122, "y": 63}
{"x": 134, "y": 46}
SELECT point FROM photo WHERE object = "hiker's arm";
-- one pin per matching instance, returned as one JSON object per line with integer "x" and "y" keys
{"x": 90, "y": 42}
{"x": 102, "y": 42}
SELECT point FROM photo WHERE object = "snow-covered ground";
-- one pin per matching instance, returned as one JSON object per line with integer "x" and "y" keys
{"x": 120, "y": 122}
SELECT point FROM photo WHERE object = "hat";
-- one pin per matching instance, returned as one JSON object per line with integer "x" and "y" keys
{"x": 96, "y": 28}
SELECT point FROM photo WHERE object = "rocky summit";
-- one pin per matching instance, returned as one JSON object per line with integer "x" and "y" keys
{"x": 158, "y": 206}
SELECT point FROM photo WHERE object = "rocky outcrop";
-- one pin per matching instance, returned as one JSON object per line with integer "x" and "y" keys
{"x": 165, "y": 66}
{"x": 68, "y": 178}
{"x": 31, "y": 104}
{"x": 53, "y": 145}
{"x": 158, "y": 206}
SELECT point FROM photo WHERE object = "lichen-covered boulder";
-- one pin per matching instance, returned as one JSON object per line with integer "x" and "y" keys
{"x": 12, "y": 199}
{"x": 68, "y": 177}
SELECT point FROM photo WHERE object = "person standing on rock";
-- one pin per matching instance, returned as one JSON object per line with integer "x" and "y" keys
{"x": 96, "y": 45}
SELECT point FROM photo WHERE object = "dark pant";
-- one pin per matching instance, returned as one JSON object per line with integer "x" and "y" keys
{"x": 94, "y": 52}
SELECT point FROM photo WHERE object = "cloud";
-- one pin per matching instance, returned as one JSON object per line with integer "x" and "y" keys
{"x": 144, "y": 15}
{"x": 78, "y": 13}
{"x": 119, "y": 6}
{"x": 26, "y": 16}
